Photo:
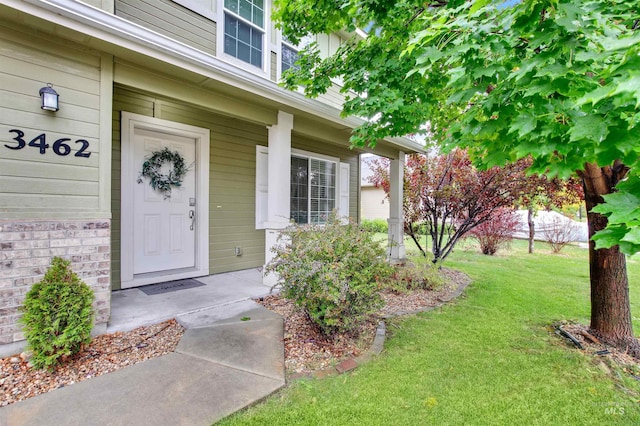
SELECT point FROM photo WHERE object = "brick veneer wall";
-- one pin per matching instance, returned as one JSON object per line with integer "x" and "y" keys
{"x": 26, "y": 250}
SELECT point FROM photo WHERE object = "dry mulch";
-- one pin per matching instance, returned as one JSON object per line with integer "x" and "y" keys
{"x": 592, "y": 346}
{"x": 418, "y": 300}
{"x": 306, "y": 349}
{"x": 105, "y": 353}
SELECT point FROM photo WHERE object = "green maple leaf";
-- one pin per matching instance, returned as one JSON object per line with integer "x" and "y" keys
{"x": 620, "y": 207}
{"x": 610, "y": 236}
{"x": 590, "y": 127}
{"x": 630, "y": 85}
{"x": 612, "y": 44}
{"x": 523, "y": 124}
{"x": 595, "y": 96}
{"x": 633, "y": 236}
{"x": 629, "y": 248}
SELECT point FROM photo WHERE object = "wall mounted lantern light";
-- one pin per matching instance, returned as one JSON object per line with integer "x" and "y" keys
{"x": 49, "y": 98}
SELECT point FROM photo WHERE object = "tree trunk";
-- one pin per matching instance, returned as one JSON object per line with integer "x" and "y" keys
{"x": 532, "y": 228}
{"x": 610, "y": 309}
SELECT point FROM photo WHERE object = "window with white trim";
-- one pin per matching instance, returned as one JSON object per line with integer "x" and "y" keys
{"x": 244, "y": 30}
{"x": 288, "y": 55}
{"x": 313, "y": 189}
{"x": 289, "y": 52}
{"x": 318, "y": 186}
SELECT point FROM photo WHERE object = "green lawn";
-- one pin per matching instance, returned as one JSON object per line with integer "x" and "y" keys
{"x": 489, "y": 358}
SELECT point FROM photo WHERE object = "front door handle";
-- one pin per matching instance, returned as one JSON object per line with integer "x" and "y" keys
{"x": 192, "y": 216}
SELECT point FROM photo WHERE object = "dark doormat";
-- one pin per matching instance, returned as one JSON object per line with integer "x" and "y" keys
{"x": 168, "y": 286}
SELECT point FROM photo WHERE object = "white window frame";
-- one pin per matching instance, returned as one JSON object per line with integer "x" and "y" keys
{"x": 283, "y": 42}
{"x": 266, "y": 51}
{"x": 327, "y": 159}
{"x": 216, "y": 14}
{"x": 342, "y": 182}
{"x": 283, "y": 45}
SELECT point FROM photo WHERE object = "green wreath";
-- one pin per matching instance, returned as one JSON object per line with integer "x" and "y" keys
{"x": 159, "y": 182}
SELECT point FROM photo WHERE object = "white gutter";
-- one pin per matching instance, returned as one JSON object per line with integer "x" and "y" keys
{"x": 110, "y": 28}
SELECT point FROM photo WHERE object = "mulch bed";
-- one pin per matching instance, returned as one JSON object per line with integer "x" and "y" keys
{"x": 307, "y": 350}
{"x": 105, "y": 353}
{"x": 592, "y": 346}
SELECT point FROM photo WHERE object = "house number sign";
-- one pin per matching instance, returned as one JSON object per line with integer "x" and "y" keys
{"x": 61, "y": 146}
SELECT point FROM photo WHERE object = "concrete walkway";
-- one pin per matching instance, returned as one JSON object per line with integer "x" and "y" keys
{"x": 132, "y": 308}
{"x": 230, "y": 356}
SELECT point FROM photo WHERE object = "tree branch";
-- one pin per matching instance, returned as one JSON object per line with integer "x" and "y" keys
{"x": 416, "y": 15}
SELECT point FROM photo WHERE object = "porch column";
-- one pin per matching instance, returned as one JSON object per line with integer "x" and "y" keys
{"x": 278, "y": 187}
{"x": 396, "y": 213}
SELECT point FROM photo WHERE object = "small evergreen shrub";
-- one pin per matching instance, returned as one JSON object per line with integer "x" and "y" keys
{"x": 333, "y": 271}
{"x": 375, "y": 225}
{"x": 57, "y": 315}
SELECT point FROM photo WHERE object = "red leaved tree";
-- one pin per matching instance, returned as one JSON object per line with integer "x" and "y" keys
{"x": 449, "y": 196}
{"x": 496, "y": 232}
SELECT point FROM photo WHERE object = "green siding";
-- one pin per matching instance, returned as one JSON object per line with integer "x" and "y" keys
{"x": 333, "y": 97}
{"x": 47, "y": 185}
{"x": 231, "y": 186}
{"x": 172, "y": 20}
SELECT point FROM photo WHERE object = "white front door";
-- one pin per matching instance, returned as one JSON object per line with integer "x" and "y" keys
{"x": 163, "y": 239}
{"x": 164, "y": 228}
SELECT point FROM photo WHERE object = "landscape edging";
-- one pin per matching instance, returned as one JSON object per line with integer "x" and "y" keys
{"x": 377, "y": 346}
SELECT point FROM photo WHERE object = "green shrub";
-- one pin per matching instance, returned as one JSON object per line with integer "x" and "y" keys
{"x": 375, "y": 225}
{"x": 332, "y": 271}
{"x": 421, "y": 229}
{"x": 57, "y": 315}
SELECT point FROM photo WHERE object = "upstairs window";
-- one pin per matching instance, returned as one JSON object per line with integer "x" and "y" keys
{"x": 244, "y": 30}
{"x": 289, "y": 52}
{"x": 289, "y": 55}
